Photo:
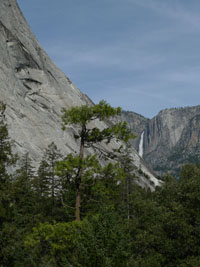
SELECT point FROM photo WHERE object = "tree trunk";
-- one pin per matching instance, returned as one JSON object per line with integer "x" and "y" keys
{"x": 78, "y": 205}
{"x": 79, "y": 176}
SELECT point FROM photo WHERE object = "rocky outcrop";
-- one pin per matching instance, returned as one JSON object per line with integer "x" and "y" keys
{"x": 136, "y": 123}
{"x": 35, "y": 90}
{"x": 171, "y": 138}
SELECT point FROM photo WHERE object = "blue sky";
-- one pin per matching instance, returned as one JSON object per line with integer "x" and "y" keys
{"x": 142, "y": 55}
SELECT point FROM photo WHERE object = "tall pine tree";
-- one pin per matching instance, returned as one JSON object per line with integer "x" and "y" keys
{"x": 89, "y": 135}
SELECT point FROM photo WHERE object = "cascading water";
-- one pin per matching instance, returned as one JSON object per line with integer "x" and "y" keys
{"x": 141, "y": 150}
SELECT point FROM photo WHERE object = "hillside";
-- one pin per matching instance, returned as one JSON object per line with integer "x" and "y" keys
{"x": 170, "y": 139}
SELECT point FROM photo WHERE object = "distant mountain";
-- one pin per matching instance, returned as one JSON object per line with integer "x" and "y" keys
{"x": 169, "y": 140}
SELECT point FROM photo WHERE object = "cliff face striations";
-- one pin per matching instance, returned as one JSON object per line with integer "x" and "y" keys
{"x": 35, "y": 90}
{"x": 170, "y": 139}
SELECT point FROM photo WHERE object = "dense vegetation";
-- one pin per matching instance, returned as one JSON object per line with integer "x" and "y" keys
{"x": 118, "y": 223}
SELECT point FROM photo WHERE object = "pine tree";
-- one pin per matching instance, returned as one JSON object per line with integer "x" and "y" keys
{"x": 6, "y": 157}
{"x": 7, "y": 161}
{"x": 24, "y": 195}
{"x": 89, "y": 136}
{"x": 47, "y": 184}
{"x": 126, "y": 163}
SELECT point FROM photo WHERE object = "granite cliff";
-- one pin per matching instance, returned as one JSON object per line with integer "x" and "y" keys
{"x": 35, "y": 90}
{"x": 169, "y": 140}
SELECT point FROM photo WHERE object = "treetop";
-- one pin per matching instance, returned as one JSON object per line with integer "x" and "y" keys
{"x": 84, "y": 114}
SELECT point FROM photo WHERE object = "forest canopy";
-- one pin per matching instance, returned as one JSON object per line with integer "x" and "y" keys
{"x": 119, "y": 223}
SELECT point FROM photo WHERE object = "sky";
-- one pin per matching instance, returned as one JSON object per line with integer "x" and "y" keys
{"x": 141, "y": 55}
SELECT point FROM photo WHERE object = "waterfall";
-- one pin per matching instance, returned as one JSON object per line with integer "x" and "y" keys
{"x": 141, "y": 145}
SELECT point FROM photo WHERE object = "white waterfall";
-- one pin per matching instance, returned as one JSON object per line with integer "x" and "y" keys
{"x": 141, "y": 145}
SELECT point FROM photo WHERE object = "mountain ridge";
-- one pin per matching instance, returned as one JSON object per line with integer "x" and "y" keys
{"x": 171, "y": 138}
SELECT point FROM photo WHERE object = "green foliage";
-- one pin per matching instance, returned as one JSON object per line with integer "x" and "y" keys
{"x": 47, "y": 184}
{"x": 98, "y": 241}
{"x": 6, "y": 156}
{"x": 14, "y": 212}
{"x": 5, "y": 146}
{"x": 84, "y": 114}
{"x": 105, "y": 190}
{"x": 90, "y": 135}
{"x": 122, "y": 224}
{"x": 67, "y": 172}
{"x": 68, "y": 166}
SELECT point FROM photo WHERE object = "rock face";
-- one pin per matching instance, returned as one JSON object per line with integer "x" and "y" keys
{"x": 137, "y": 123}
{"x": 35, "y": 90}
{"x": 171, "y": 139}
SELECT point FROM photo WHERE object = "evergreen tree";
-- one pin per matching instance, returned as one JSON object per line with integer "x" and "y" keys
{"x": 5, "y": 161}
{"x": 24, "y": 195}
{"x": 67, "y": 171}
{"x": 6, "y": 156}
{"x": 8, "y": 228}
{"x": 128, "y": 167}
{"x": 47, "y": 184}
{"x": 89, "y": 135}
{"x": 99, "y": 241}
